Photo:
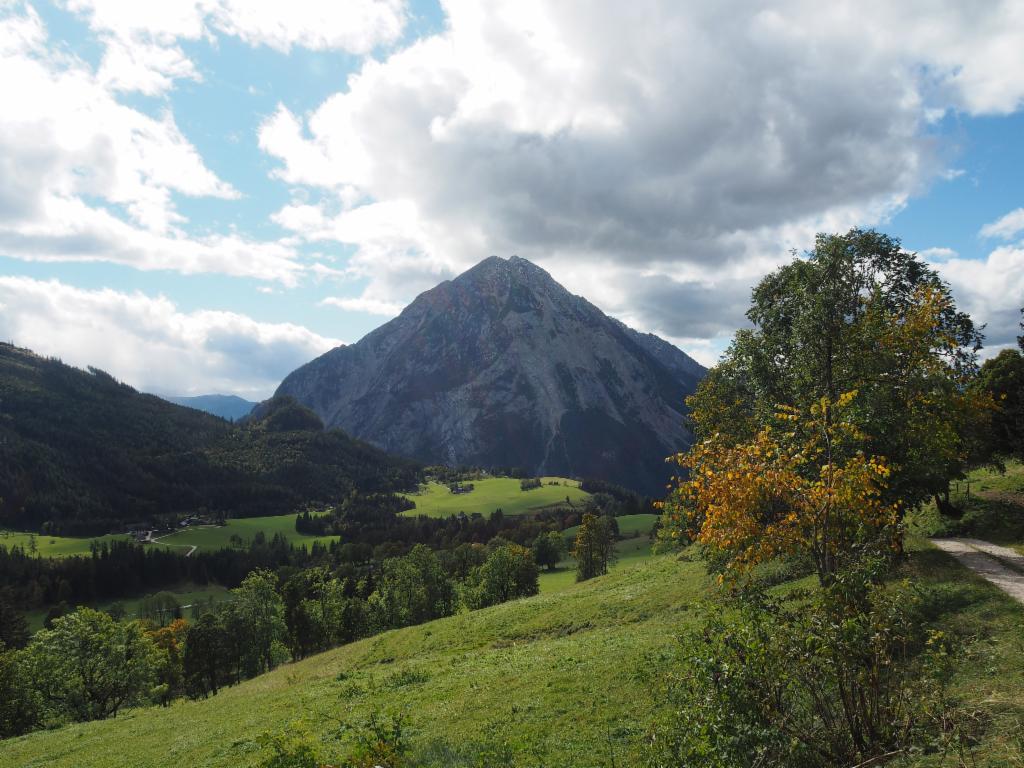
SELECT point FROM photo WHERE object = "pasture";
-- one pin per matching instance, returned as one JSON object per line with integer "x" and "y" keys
{"x": 242, "y": 529}
{"x": 54, "y": 546}
{"x": 435, "y": 500}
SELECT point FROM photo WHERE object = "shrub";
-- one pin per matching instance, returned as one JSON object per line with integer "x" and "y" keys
{"x": 834, "y": 677}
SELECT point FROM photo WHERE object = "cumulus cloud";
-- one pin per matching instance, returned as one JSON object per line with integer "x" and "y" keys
{"x": 86, "y": 178}
{"x": 1006, "y": 227}
{"x": 142, "y": 39}
{"x": 645, "y": 154}
{"x": 991, "y": 290}
{"x": 148, "y": 342}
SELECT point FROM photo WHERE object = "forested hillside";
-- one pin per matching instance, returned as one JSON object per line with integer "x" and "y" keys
{"x": 83, "y": 454}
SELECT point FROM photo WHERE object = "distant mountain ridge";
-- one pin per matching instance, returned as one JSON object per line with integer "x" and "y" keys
{"x": 503, "y": 367}
{"x": 229, "y": 407}
{"x": 84, "y": 454}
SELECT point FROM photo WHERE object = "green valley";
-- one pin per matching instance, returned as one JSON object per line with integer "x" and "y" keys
{"x": 567, "y": 676}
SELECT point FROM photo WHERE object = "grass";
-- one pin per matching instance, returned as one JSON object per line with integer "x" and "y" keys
{"x": 435, "y": 500}
{"x": 636, "y": 548}
{"x": 187, "y": 595}
{"x": 993, "y": 506}
{"x": 565, "y": 674}
{"x": 54, "y": 546}
{"x": 219, "y": 536}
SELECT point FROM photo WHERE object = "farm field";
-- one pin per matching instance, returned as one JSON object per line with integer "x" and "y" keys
{"x": 566, "y": 675}
{"x": 54, "y": 546}
{"x": 504, "y": 493}
{"x": 219, "y": 536}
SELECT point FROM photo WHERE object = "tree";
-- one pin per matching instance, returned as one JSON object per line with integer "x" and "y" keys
{"x": 412, "y": 589}
{"x": 1002, "y": 378}
{"x": 19, "y": 712}
{"x": 204, "y": 660}
{"x": 169, "y": 641}
{"x": 549, "y": 549}
{"x": 508, "y": 573}
{"x": 261, "y": 611}
{"x": 594, "y": 548}
{"x": 13, "y": 627}
{"x": 161, "y": 608}
{"x": 801, "y": 487}
{"x": 857, "y": 314}
{"x": 88, "y": 666}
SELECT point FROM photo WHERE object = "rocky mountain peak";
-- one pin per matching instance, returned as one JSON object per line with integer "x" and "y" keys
{"x": 503, "y": 367}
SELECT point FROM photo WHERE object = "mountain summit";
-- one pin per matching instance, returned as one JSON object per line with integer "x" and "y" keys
{"x": 503, "y": 367}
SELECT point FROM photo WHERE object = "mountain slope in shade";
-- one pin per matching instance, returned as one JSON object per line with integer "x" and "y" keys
{"x": 82, "y": 454}
{"x": 503, "y": 367}
{"x": 229, "y": 407}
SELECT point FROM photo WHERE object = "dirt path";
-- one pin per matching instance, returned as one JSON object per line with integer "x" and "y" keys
{"x": 151, "y": 540}
{"x": 1001, "y": 566}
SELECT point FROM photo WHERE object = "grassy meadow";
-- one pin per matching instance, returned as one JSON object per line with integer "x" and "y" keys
{"x": 212, "y": 537}
{"x": 564, "y": 675}
{"x": 634, "y": 548}
{"x": 54, "y": 546}
{"x": 435, "y": 500}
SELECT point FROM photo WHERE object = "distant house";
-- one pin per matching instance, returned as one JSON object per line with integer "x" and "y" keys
{"x": 458, "y": 488}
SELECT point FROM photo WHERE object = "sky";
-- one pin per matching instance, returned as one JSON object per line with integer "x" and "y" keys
{"x": 201, "y": 195}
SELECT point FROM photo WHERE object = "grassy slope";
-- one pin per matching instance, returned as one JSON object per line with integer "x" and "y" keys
{"x": 493, "y": 493}
{"x": 54, "y": 546}
{"x": 204, "y": 537}
{"x": 629, "y": 551}
{"x": 993, "y": 504}
{"x": 218, "y": 536}
{"x": 565, "y": 671}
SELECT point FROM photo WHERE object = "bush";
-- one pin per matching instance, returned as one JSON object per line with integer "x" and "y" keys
{"x": 509, "y": 572}
{"x": 834, "y": 677}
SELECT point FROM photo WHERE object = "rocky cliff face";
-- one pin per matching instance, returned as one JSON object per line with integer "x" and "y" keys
{"x": 504, "y": 367}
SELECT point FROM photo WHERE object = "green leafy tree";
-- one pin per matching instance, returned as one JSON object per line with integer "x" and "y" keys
{"x": 549, "y": 549}
{"x": 261, "y": 610}
{"x": 508, "y": 573}
{"x": 412, "y": 589}
{"x": 858, "y": 313}
{"x": 205, "y": 659}
{"x": 161, "y": 608}
{"x": 594, "y": 548}
{"x": 19, "y": 711}
{"x": 1002, "y": 378}
{"x": 88, "y": 666}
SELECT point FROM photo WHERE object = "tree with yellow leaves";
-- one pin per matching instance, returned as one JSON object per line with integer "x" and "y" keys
{"x": 799, "y": 486}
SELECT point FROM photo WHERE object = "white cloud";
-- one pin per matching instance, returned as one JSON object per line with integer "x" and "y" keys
{"x": 142, "y": 37}
{"x": 149, "y": 343}
{"x": 991, "y": 290}
{"x": 356, "y": 26}
{"x": 625, "y": 147}
{"x": 362, "y": 304}
{"x": 86, "y": 178}
{"x": 1006, "y": 227}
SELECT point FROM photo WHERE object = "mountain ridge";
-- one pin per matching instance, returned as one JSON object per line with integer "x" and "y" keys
{"x": 503, "y": 367}
{"x": 231, "y": 407}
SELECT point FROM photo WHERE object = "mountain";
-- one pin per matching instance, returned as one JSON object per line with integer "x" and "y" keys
{"x": 229, "y": 407}
{"x": 83, "y": 454}
{"x": 503, "y": 367}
